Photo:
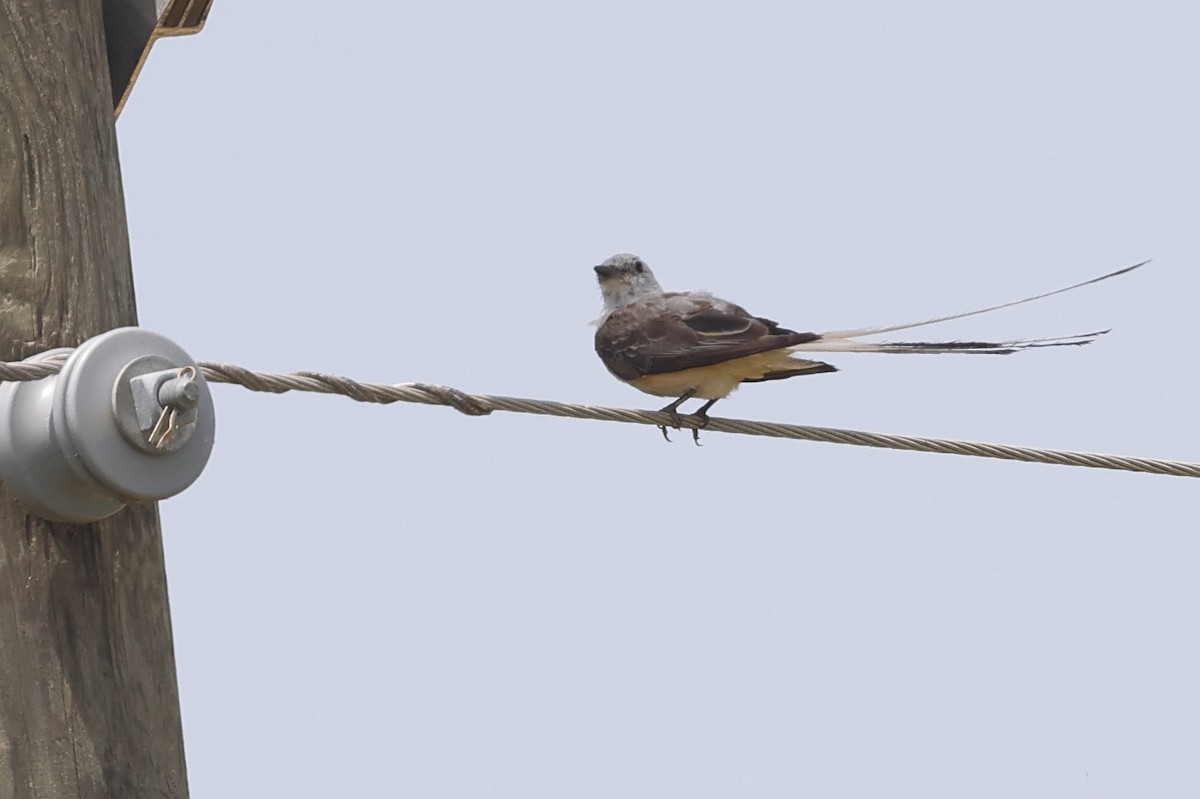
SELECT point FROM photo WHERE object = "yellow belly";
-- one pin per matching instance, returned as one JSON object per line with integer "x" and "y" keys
{"x": 716, "y": 381}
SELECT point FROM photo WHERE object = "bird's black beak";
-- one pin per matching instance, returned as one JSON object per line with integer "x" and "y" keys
{"x": 603, "y": 271}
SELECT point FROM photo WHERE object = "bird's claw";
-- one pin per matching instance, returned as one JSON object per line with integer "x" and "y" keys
{"x": 672, "y": 410}
{"x": 675, "y": 422}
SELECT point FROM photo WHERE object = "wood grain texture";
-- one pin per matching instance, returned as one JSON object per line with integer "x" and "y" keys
{"x": 88, "y": 699}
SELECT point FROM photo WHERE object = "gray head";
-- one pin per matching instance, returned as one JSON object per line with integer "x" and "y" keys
{"x": 625, "y": 278}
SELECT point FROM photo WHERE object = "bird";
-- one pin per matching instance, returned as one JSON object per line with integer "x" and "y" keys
{"x": 692, "y": 344}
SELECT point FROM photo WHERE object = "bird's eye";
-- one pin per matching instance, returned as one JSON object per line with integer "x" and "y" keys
{"x": 639, "y": 267}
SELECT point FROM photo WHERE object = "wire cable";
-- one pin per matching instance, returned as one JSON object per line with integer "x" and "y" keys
{"x": 482, "y": 405}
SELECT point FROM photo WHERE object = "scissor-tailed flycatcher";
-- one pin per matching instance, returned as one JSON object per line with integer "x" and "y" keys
{"x": 692, "y": 344}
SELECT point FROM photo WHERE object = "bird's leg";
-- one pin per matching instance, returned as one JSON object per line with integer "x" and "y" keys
{"x": 701, "y": 412}
{"x": 673, "y": 409}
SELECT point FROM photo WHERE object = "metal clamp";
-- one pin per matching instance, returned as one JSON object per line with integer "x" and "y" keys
{"x": 154, "y": 402}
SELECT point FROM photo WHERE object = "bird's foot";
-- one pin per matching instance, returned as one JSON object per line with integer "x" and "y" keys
{"x": 676, "y": 422}
{"x": 673, "y": 410}
{"x": 701, "y": 414}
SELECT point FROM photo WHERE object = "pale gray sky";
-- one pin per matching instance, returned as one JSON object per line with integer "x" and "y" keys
{"x": 405, "y": 601}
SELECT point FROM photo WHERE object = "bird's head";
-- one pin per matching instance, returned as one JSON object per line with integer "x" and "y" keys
{"x": 625, "y": 278}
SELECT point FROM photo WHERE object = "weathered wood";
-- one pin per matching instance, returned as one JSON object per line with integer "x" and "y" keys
{"x": 88, "y": 699}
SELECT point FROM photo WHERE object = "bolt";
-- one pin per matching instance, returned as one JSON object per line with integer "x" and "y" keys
{"x": 180, "y": 391}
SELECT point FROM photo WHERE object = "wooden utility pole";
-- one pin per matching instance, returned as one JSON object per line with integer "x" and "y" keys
{"x": 88, "y": 699}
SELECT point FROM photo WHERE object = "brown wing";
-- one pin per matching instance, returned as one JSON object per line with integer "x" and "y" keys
{"x": 684, "y": 331}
